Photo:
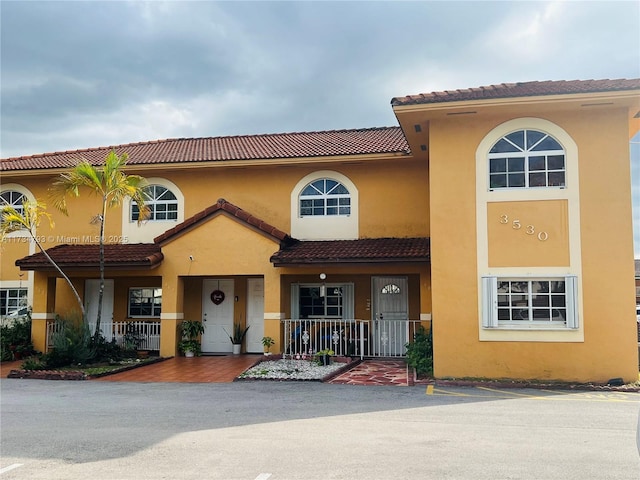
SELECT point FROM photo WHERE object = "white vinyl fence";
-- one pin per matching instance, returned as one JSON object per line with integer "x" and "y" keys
{"x": 148, "y": 332}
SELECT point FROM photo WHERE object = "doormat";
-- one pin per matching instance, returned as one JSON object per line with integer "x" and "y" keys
{"x": 214, "y": 354}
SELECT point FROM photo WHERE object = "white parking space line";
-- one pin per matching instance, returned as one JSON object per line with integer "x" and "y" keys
{"x": 10, "y": 467}
{"x": 263, "y": 476}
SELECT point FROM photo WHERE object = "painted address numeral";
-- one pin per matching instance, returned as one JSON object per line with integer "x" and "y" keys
{"x": 529, "y": 230}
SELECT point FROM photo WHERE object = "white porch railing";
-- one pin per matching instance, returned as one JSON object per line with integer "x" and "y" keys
{"x": 352, "y": 337}
{"x": 148, "y": 332}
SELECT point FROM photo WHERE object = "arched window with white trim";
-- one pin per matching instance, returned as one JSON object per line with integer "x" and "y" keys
{"x": 324, "y": 206}
{"x": 527, "y": 159}
{"x": 162, "y": 203}
{"x": 13, "y": 199}
{"x": 325, "y": 197}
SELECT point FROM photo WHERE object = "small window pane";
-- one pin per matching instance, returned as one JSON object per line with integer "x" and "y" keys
{"x": 536, "y": 163}
{"x": 516, "y": 164}
{"x": 498, "y": 181}
{"x": 556, "y": 179}
{"x": 556, "y": 162}
{"x": 517, "y": 138}
{"x": 516, "y": 180}
{"x": 547, "y": 144}
{"x": 533, "y": 137}
{"x": 497, "y": 165}
{"x": 502, "y": 146}
{"x": 537, "y": 179}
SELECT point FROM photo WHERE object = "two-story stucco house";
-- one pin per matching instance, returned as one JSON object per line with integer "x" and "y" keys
{"x": 500, "y": 216}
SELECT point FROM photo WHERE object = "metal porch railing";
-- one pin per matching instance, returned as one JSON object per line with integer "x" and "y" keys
{"x": 348, "y": 337}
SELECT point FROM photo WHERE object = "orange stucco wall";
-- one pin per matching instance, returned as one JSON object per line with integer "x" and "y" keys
{"x": 609, "y": 348}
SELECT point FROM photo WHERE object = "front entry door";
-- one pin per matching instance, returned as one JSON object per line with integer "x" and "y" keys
{"x": 390, "y": 315}
{"x": 255, "y": 315}
{"x": 91, "y": 293}
{"x": 217, "y": 315}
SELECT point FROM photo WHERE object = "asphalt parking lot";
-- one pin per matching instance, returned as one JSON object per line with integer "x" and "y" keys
{"x": 295, "y": 430}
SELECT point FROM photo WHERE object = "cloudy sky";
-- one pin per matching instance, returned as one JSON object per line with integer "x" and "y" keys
{"x": 87, "y": 74}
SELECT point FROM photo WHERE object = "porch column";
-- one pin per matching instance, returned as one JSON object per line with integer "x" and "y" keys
{"x": 273, "y": 313}
{"x": 172, "y": 315}
{"x": 44, "y": 298}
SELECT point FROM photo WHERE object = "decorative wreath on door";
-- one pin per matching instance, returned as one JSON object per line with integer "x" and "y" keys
{"x": 217, "y": 297}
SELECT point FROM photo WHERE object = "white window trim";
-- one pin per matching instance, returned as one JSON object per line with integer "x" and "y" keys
{"x": 571, "y": 193}
{"x": 129, "y": 303}
{"x": 332, "y": 227}
{"x": 347, "y": 298}
{"x": 16, "y": 187}
{"x": 145, "y": 232}
{"x": 490, "y": 305}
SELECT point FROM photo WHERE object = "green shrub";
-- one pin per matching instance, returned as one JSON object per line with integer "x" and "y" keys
{"x": 15, "y": 338}
{"x": 71, "y": 346}
{"x": 420, "y": 352}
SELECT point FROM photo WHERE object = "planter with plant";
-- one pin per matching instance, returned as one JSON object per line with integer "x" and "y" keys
{"x": 190, "y": 331}
{"x": 324, "y": 356}
{"x": 237, "y": 338}
{"x": 267, "y": 342}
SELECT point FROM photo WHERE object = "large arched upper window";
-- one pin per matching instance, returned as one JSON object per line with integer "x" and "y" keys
{"x": 325, "y": 197}
{"x": 527, "y": 158}
{"x": 162, "y": 203}
{"x": 13, "y": 199}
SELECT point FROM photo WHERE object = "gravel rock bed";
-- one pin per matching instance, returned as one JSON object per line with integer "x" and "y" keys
{"x": 290, "y": 370}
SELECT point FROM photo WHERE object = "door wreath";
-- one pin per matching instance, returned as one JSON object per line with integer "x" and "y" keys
{"x": 217, "y": 297}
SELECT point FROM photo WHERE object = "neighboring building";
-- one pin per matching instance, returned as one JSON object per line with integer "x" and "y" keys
{"x": 501, "y": 215}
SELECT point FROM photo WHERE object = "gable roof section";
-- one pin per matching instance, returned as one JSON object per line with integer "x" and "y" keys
{"x": 521, "y": 89}
{"x": 231, "y": 210}
{"x": 134, "y": 255}
{"x": 366, "y": 250}
{"x": 364, "y": 141}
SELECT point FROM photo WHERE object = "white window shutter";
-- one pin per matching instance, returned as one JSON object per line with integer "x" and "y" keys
{"x": 295, "y": 301}
{"x": 489, "y": 302}
{"x": 571, "y": 291}
{"x": 347, "y": 302}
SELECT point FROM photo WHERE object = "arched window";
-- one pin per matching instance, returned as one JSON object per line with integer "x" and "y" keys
{"x": 162, "y": 203}
{"x": 13, "y": 199}
{"x": 390, "y": 289}
{"x": 527, "y": 158}
{"x": 325, "y": 197}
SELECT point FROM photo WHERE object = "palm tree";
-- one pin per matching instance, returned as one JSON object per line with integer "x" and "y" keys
{"x": 28, "y": 220}
{"x": 112, "y": 186}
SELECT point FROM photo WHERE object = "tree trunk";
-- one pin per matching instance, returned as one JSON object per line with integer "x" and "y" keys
{"x": 101, "y": 292}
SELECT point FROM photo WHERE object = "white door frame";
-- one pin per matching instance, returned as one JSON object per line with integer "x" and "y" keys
{"x": 255, "y": 315}
{"x": 91, "y": 292}
{"x": 217, "y": 319}
{"x": 390, "y": 314}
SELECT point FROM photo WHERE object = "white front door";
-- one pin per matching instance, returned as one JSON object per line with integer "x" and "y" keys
{"x": 390, "y": 315}
{"x": 217, "y": 315}
{"x": 91, "y": 293}
{"x": 255, "y": 315}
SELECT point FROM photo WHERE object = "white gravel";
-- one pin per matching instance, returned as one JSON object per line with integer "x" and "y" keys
{"x": 290, "y": 370}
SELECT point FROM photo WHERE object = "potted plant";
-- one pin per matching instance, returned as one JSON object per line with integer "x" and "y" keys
{"x": 237, "y": 337}
{"x": 190, "y": 330}
{"x": 324, "y": 356}
{"x": 267, "y": 342}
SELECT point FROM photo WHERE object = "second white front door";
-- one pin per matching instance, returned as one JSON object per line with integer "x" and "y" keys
{"x": 217, "y": 314}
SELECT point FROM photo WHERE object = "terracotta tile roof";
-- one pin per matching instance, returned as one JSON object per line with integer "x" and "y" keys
{"x": 218, "y": 149}
{"x": 366, "y": 250}
{"x": 523, "y": 89}
{"x": 134, "y": 255}
{"x": 222, "y": 206}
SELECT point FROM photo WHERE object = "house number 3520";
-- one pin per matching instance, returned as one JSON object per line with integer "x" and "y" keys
{"x": 528, "y": 229}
